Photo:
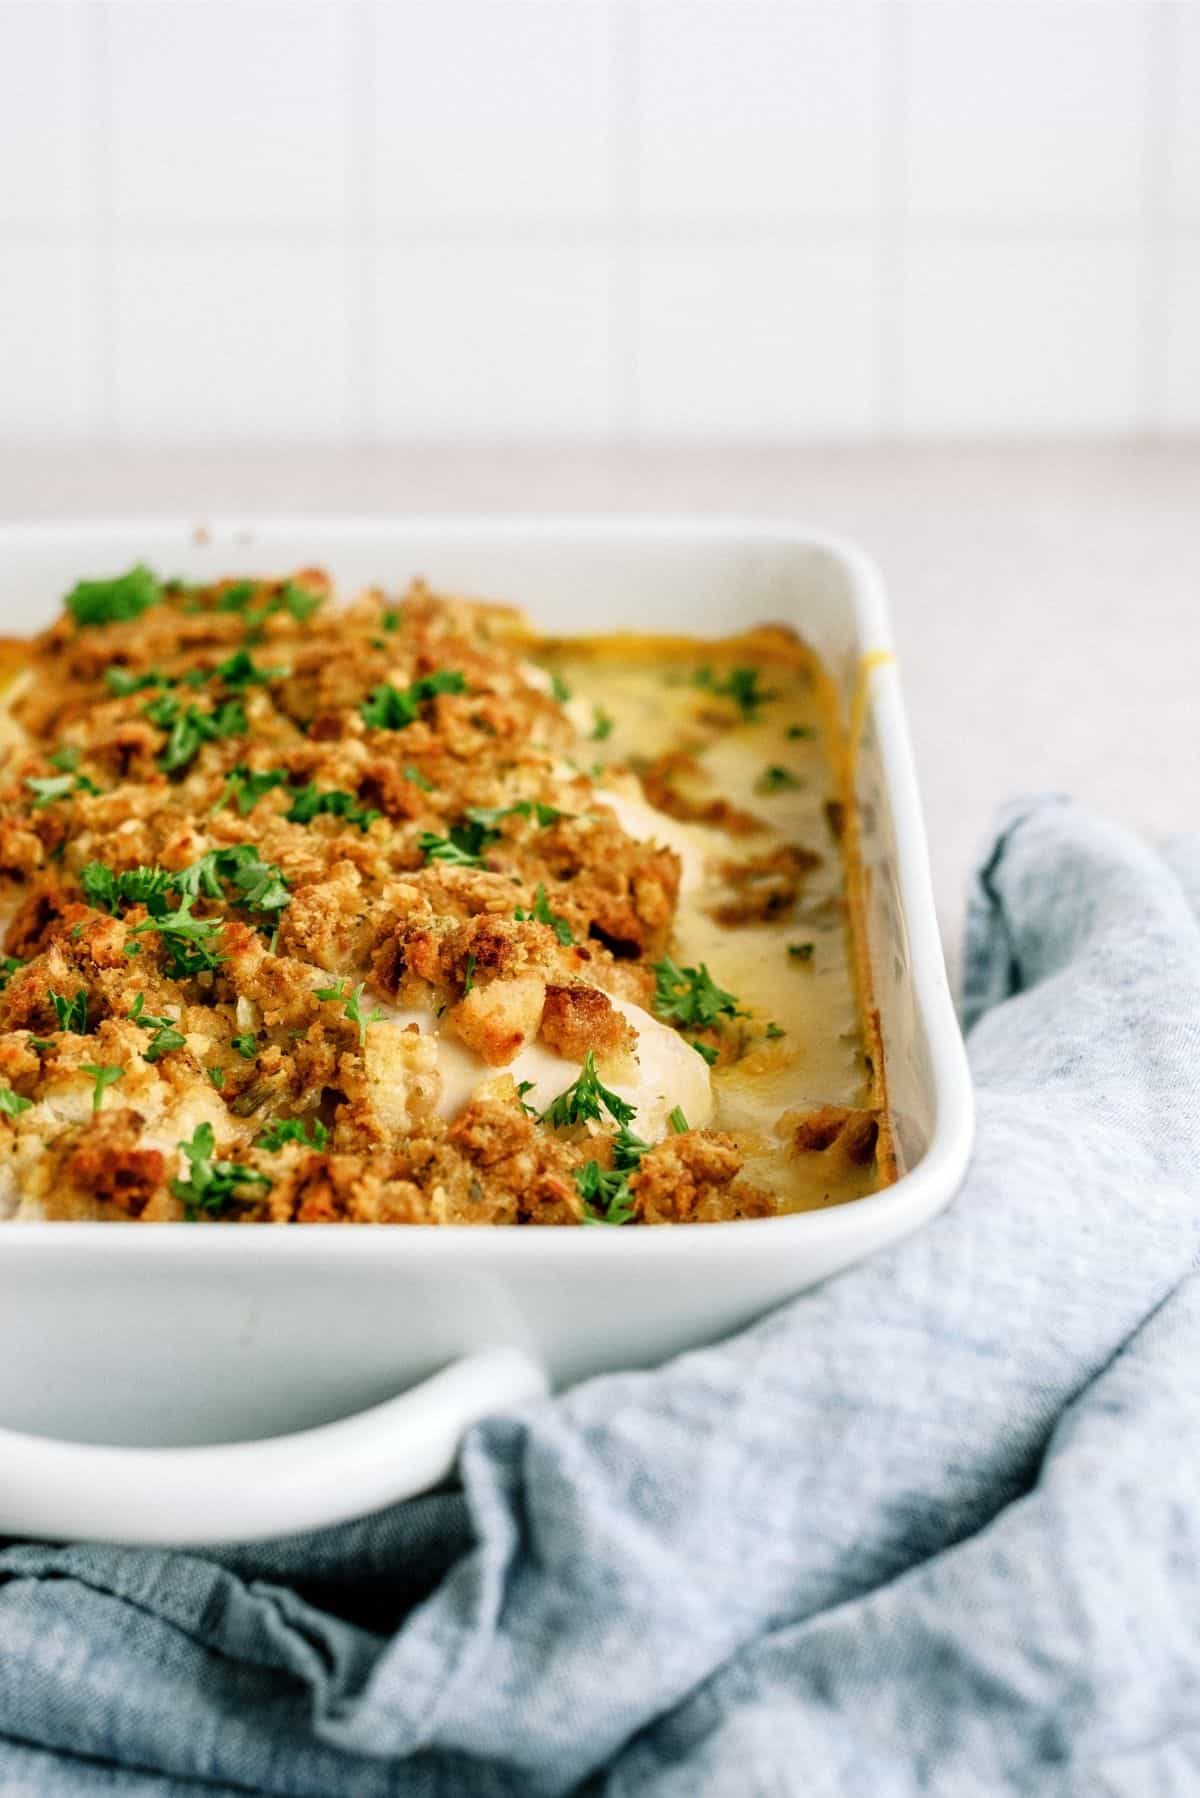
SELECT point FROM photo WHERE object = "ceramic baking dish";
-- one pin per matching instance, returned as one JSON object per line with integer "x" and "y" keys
{"x": 224, "y": 1383}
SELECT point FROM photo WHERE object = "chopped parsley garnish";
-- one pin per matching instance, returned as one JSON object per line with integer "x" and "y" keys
{"x": 391, "y": 620}
{"x": 216, "y": 1076}
{"x": 689, "y": 997}
{"x": 801, "y": 951}
{"x": 602, "y": 724}
{"x": 559, "y": 687}
{"x": 103, "y": 1077}
{"x": 523, "y": 1087}
{"x": 112, "y": 602}
{"x": 49, "y": 788}
{"x": 71, "y": 1013}
{"x": 774, "y": 1032}
{"x": 246, "y": 1046}
{"x": 586, "y": 1097}
{"x": 606, "y": 1194}
{"x": 285, "y": 1130}
{"x": 628, "y": 1149}
{"x": 187, "y": 941}
{"x": 489, "y": 816}
{"x": 258, "y": 885}
{"x": 800, "y": 732}
{"x": 418, "y": 779}
{"x": 11, "y": 1103}
{"x": 237, "y": 597}
{"x": 469, "y": 975}
{"x": 210, "y": 1185}
{"x": 309, "y": 802}
{"x": 66, "y": 759}
{"x": 775, "y": 780}
{"x": 107, "y": 891}
{"x": 677, "y": 1121}
{"x": 463, "y": 848}
{"x": 9, "y": 965}
{"x": 299, "y": 602}
{"x": 124, "y": 681}
{"x": 352, "y": 1005}
{"x": 740, "y": 685}
{"x": 542, "y": 914}
{"x": 704, "y": 1050}
{"x": 240, "y": 670}
{"x": 394, "y": 708}
{"x": 244, "y": 789}
{"x": 165, "y": 1035}
{"x": 189, "y": 729}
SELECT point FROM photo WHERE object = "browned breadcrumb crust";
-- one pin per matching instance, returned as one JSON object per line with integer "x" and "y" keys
{"x": 250, "y": 1037}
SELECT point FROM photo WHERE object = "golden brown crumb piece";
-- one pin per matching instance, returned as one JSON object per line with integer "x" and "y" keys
{"x": 577, "y": 1018}
{"x": 764, "y": 886}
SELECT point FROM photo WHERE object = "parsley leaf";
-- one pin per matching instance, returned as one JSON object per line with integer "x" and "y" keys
{"x": 246, "y": 1046}
{"x": 123, "y": 681}
{"x": 689, "y": 997}
{"x": 110, "y": 602}
{"x": 542, "y": 914}
{"x": 166, "y": 1036}
{"x": 799, "y": 732}
{"x": 489, "y": 816}
{"x": 104, "y": 1077}
{"x": 310, "y": 801}
{"x": 393, "y": 708}
{"x": 523, "y": 1087}
{"x": 245, "y": 789}
{"x": 585, "y": 1098}
{"x": 628, "y": 1149}
{"x": 189, "y": 729}
{"x": 704, "y": 1051}
{"x": 418, "y": 779}
{"x": 775, "y": 780}
{"x": 107, "y": 891}
{"x": 559, "y": 687}
{"x": 678, "y": 1122}
{"x": 187, "y": 941}
{"x": 66, "y": 759}
{"x": 774, "y": 1032}
{"x": 9, "y": 965}
{"x": 210, "y": 1185}
{"x": 606, "y": 1193}
{"x": 299, "y": 602}
{"x": 71, "y": 1013}
{"x": 801, "y": 951}
{"x": 284, "y": 1130}
{"x": 240, "y": 670}
{"x": 49, "y": 788}
{"x": 602, "y": 724}
{"x": 11, "y": 1103}
{"x": 740, "y": 685}
{"x": 351, "y": 1005}
{"x": 463, "y": 848}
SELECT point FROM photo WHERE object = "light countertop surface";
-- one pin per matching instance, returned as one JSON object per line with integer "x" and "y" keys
{"x": 1046, "y": 600}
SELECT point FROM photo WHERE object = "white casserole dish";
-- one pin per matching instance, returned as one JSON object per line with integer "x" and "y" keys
{"x": 225, "y": 1383}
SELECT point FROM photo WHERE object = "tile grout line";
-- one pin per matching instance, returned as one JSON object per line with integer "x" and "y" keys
{"x": 891, "y": 220}
{"x": 1155, "y": 248}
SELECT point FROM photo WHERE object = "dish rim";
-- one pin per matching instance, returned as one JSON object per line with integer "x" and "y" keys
{"x": 878, "y": 1217}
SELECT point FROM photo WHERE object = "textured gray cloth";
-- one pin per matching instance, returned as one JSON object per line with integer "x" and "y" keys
{"x": 933, "y": 1528}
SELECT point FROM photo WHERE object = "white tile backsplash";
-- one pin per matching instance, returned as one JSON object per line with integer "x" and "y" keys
{"x": 41, "y": 113}
{"x": 756, "y": 107}
{"x": 1020, "y": 338}
{"x": 1182, "y": 404}
{"x": 1183, "y": 197}
{"x": 1025, "y": 109}
{"x": 228, "y": 114}
{"x": 229, "y": 341}
{"x": 45, "y": 360}
{"x": 491, "y": 109}
{"x": 506, "y": 219}
{"x": 763, "y": 341}
{"x": 467, "y": 336}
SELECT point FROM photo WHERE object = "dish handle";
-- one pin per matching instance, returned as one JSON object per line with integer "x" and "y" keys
{"x": 246, "y": 1491}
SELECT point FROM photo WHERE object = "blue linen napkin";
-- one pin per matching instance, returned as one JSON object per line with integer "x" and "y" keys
{"x": 933, "y": 1528}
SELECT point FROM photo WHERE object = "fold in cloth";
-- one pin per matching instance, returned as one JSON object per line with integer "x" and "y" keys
{"x": 931, "y": 1528}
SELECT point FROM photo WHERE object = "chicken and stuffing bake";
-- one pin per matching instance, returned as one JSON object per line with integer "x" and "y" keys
{"x": 395, "y": 913}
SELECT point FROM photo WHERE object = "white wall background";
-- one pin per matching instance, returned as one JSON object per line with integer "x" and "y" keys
{"x": 729, "y": 220}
